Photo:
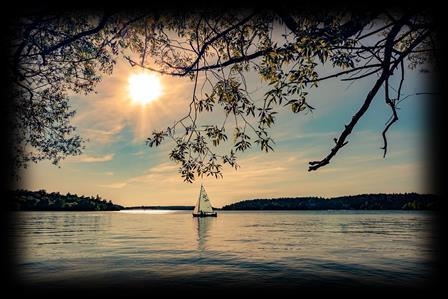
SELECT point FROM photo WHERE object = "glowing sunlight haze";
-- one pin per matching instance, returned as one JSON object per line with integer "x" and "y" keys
{"x": 144, "y": 88}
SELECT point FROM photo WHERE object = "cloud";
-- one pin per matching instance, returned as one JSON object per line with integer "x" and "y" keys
{"x": 118, "y": 185}
{"x": 162, "y": 172}
{"x": 90, "y": 159}
{"x": 139, "y": 153}
{"x": 102, "y": 136}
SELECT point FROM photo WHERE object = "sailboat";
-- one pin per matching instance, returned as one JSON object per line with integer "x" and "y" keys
{"x": 203, "y": 206}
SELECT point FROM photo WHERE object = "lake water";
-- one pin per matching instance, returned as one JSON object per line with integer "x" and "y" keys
{"x": 284, "y": 248}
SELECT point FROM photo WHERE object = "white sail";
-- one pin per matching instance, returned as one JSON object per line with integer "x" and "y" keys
{"x": 203, "y": 204}
{"x": 196, "y": 207}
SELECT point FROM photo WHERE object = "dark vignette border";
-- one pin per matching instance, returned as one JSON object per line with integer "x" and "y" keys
{"x": 435, "y": 178}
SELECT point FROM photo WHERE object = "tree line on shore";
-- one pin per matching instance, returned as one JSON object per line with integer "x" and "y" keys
{"x": 24, "y": 200}
{"x": 402, "y": 201}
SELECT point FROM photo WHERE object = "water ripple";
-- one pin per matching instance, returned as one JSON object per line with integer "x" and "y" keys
{"x": 301, "y": 248}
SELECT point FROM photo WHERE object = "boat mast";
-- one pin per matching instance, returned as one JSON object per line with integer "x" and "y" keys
{"x": 200, "y": 196}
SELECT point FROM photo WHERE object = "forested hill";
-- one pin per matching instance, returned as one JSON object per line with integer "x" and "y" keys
{"x": 23, "y": 200}
{"x": 405, "y": 201}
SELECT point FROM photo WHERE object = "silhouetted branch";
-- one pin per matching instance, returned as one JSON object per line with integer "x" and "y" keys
{"x": 392, "y": 104}
{"x": 341, "y": 141}
{"x": 102, "y": 23}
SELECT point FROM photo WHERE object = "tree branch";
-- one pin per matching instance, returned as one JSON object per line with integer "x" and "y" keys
{"x": 393, "y": 105}
{"x": 341, "y": 141}
{"x": 78, "y": 36}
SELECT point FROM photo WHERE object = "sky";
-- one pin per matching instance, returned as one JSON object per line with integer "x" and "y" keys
{"x": 117, "y": 165}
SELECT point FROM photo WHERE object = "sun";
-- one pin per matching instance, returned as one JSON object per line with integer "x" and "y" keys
{"x": 144, "y": 88}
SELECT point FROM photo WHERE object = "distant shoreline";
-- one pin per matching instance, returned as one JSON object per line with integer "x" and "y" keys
{"x": 23, "y": 200}
{"x": 380, "y": 201}
{"x": 179, "y": 208}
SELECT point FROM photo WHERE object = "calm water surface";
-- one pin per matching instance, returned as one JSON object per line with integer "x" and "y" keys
{"x": 291, "y": 248}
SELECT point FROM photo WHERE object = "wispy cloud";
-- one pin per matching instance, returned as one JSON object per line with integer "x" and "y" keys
{"x": 102, "y": 136}
{"x": 91, "y": 159}
{"x": 118, "y": 185}
{"x": 139, "y": 153}
{"x": 160, "y": 174}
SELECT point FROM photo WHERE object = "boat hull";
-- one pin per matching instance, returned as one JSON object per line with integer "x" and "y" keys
{"x": 205, "y": 215}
